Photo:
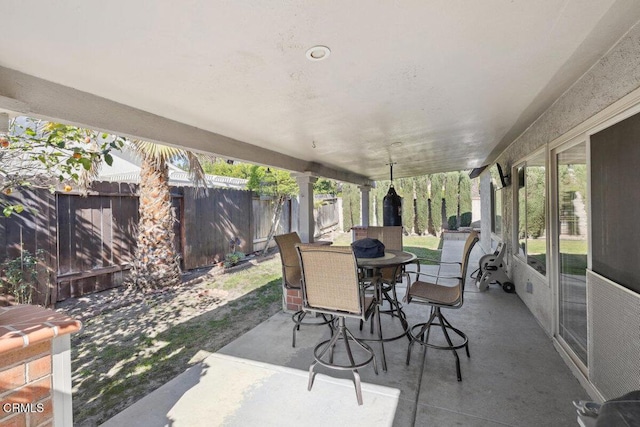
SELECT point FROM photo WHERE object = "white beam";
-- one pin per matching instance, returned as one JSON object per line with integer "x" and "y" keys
{"x": 364, "y": 200}
{"x": 306, "y": 222}
{"x": 36, "y": 97}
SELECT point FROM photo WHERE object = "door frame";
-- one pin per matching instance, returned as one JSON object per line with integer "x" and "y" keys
{"x": 554, "y": 250}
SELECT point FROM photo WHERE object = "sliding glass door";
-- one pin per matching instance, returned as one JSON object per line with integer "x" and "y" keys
{"x": 572, "y": 245}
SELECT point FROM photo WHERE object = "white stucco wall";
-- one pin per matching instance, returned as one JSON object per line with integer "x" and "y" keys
{"x": 614, "y": 76}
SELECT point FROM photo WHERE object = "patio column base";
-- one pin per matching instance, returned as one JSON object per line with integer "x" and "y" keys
{"x": 292, "y": 300}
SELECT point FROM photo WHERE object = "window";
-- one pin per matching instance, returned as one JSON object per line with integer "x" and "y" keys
{"x": 615, "y": 190}
{"x": 531, "y": 212}
{"x": 496, "y": 202}
{"x": 496, "y": 210}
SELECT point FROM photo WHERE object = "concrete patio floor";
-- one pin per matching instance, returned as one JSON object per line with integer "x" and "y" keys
{"x": 514, "y": 377}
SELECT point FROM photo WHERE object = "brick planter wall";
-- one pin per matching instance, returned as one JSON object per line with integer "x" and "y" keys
{"x": 35, "y": 367}
{"x": 358, "y": 232}
{"x": 293, "y": 300}
{"x": 25, "y": 386}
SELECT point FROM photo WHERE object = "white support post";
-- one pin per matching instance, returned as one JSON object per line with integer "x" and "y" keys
{"x": 364, "y": 199}
{"x": 306, "y": 223}
{"x": 61, "y": 375}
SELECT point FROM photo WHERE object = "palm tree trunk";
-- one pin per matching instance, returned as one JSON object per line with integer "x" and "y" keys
{"x": 156, "y": 263}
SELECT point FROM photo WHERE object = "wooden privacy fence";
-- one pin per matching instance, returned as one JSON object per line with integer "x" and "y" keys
{"x": 87, "y": 243}
{"x": 326, "y": 216}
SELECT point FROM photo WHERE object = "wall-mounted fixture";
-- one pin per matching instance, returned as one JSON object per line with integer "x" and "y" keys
{"x": 504, "y": 179}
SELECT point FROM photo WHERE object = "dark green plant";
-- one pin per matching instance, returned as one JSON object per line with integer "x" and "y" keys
{"x": 465, "y": 219}
{"x": 20, "y": 276}
{"x": 233, "y": 258}
{"x": 452, "y": 222}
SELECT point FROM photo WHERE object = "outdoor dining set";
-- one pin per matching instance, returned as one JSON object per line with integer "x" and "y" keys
{"x": 359, "y": 282}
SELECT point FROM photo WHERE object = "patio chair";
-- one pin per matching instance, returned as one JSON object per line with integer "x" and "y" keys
{"x": 391, "y": 237}
{"x": 291, "y": 279}
{"x": 440, "y": 296}
{"x": 330, "y": 285}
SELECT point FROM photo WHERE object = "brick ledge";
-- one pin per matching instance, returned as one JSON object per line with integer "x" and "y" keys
{"x": 25, "y": 325}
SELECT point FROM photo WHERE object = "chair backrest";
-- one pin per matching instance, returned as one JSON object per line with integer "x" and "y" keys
{"x": 390, "y": 236}
{"x": 330, "y": 280}
{"x": 291, "y": 273}
{"x": 471, "y": 241}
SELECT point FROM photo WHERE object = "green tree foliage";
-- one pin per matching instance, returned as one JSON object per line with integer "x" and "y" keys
{"x": 535, "y": 203}
{"x": 382, "y": 187}
{"x": 271, "y": 182}
{"x": 275, "y": 183}
{"x": 223, "y": 167}
{"x": 451, "y": 188}
{"x": 422, "y": 195}
{"x": 36, "y": 154}
{"x": 405, "y": 189}
{"x": 436, "y": 195}
{"x": 465, "y": 193}
{"x": 350, "y": 206}
{"x": 325, "y": 186}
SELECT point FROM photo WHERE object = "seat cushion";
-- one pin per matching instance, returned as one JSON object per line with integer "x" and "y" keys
{"x": 430, "y": 292}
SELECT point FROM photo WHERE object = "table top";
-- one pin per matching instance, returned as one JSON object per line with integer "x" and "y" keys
{"x": 390, "y": 258}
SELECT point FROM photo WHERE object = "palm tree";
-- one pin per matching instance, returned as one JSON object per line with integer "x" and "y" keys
{"x": 156, "y": 264}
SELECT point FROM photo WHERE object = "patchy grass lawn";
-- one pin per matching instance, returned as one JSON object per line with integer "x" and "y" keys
{"x": 422, "y": 246}
{"x": 131, "y": 344}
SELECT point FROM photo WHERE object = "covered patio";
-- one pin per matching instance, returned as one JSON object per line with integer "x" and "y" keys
{"x": 341, "y": 90}
{"x": 514, "y": 377}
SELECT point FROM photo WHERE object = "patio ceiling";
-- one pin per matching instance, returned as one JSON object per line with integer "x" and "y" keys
{"x": 453, "y": 81}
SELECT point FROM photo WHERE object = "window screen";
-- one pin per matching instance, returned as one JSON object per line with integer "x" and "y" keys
{"x": 615, "y": 192}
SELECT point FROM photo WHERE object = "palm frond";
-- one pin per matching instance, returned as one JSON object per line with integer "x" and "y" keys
{"x": 158, "y": 154}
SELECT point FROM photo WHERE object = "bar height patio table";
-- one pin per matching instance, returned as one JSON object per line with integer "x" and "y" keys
{"x": 391, "y": 258}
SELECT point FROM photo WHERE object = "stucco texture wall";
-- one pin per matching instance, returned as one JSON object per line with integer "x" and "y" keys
{"x": 616, "y": 74}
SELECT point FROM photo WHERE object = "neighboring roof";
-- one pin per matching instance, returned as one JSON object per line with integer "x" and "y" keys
{"x": 126, "y": 168}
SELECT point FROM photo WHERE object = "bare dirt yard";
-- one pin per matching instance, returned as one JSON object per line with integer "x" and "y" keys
{"x": 131, "y": 344}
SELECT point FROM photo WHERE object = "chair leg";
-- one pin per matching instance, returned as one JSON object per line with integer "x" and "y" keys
{"x": 384, "y": 357}
{"x": 298, "y": 317}
{"x": 364, "y": 347}
{"x": 321, "y": 349}
{"x": 356, "y": 382}
{"x": 424, "y": 333}
{"x": 466, "y": 347}
{"x": 329, "y": 322}
{"x": 330, "y": 344}
{"x": 312, "y": 375}
{"x": 446, "y": 335}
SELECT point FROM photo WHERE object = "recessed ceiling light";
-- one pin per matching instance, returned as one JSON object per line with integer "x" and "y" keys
{"x": 318, "y": 53}
{"x": 396, "y": 144}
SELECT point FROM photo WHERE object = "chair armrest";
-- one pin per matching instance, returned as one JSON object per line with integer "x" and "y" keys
{"x": 291, "y": 265}
{"x": 435, "y": 261}
{"x": 417, "y": 273}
